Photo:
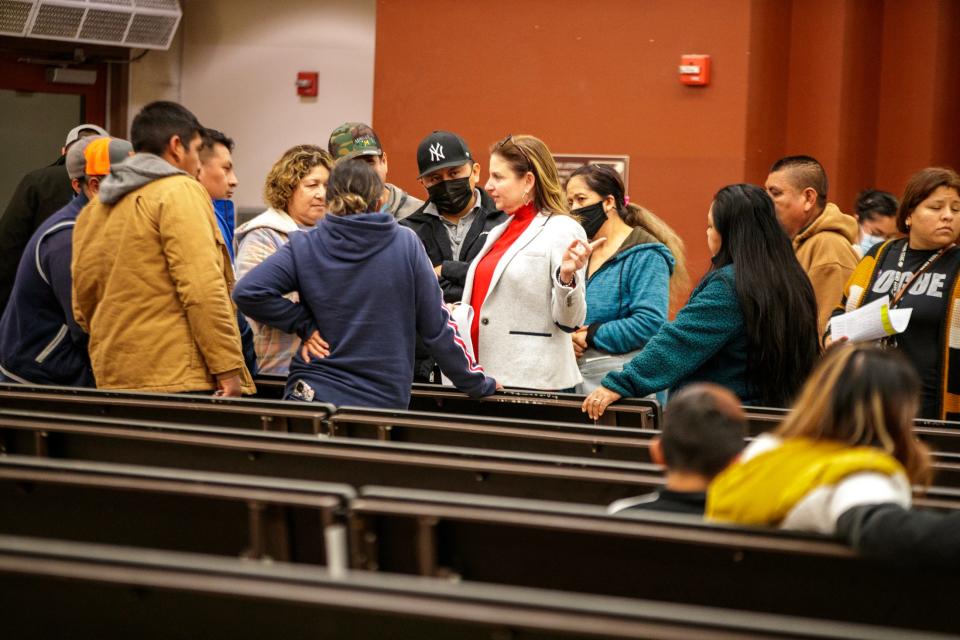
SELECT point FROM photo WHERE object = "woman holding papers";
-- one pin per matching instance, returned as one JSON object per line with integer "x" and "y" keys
{"x": 919, "y": 273}
{"x": 750, "y": 325}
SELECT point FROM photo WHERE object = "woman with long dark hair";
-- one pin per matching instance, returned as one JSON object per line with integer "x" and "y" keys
{"x": 631, "y": 278}
{"x": 750, "y": 325}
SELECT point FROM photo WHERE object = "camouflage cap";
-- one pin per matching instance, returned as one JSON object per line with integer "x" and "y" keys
{"x": 352, "y": 139}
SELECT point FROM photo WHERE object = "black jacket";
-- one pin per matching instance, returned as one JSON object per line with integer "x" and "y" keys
{"x": 40, "y": 194}
{"x": 903, "y": 537}
{"x": 689, "y": 502}
{"x": 433, "y": 235}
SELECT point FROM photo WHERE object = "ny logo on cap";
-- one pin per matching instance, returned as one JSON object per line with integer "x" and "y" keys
{"x": 436, "y": 152}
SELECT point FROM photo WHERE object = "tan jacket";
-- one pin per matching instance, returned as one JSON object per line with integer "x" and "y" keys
{"x": 151, "y": 285}
{"x": 825, "y": 251}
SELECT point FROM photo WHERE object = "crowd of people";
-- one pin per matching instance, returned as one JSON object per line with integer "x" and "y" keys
{"x": 123, "y": 268}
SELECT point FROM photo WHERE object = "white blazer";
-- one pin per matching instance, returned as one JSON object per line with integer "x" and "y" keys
{"x": 527, "y": 316}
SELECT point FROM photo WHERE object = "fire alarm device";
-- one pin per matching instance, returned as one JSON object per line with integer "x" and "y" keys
{"x": 695, "y": 70}
{"x": 307, "y": 83}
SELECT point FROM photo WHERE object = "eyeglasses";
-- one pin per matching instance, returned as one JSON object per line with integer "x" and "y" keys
{"x": 509, "y": 139}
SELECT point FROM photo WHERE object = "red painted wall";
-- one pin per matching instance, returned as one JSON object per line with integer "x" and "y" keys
{"x": 836, "y": 79}
{"x": 586, "y": 77}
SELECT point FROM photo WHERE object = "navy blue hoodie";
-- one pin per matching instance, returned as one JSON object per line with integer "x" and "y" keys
{"x": 40, "y": 342}
{"x": 367, "y": 285}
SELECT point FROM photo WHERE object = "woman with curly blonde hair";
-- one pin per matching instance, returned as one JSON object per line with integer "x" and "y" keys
{"x": 295, "y": 191}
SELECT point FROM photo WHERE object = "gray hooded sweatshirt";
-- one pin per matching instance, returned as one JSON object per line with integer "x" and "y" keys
{"x": 134, "y": 172}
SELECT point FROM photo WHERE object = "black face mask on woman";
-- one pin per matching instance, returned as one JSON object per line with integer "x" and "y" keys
{"x": 451, "y": 196}
{"x": 592, "y": 218}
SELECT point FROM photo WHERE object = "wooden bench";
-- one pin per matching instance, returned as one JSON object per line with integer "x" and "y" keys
{"x": 587, "y": 440}
{"x": 645, "y": 555}
{"x": 171, "y": 509}
{"x": 253, "y": 413}
{"x": 58, "y": 589}
{"x": 941, "y": 435}
{"x": 512, "y": 434}
{"x": 487, "y": 432}
{"x": 511, "y": 403}
{"x": 354, "y": 462}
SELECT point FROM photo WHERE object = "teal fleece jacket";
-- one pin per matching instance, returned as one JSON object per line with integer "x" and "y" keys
{"x": 628, "y": 297}
{"x": 706, "y": 342}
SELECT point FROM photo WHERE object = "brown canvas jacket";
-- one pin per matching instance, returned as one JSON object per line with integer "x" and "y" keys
{"x": 151, "y": 285}
{"x": 825, "y": 251}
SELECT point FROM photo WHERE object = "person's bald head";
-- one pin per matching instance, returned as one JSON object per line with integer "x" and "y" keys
{"x": 704, "y": 427}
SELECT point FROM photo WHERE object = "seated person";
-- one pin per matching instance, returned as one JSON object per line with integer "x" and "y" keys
{"x": 844, "y": 463}
{"x": 703, "y": 431}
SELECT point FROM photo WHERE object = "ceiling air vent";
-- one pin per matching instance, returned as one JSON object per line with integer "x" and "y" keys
{"x": 14, "y": 16}
{"x": 138, "y": 24}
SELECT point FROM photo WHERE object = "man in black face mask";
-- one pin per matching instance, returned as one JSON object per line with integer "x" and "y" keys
{"x": 454, "y": 221}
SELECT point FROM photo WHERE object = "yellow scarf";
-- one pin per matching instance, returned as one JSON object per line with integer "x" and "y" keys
{"x": 764, "y": 489}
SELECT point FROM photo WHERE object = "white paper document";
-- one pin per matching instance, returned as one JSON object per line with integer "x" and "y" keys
{"x": 870, "y": 322}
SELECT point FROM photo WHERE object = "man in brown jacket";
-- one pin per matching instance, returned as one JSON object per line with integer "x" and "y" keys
{"x": 151, "y": 273}
{"x": 822, "y": 235}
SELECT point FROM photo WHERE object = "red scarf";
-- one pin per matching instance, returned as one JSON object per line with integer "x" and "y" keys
{"x": 519, "y": 221}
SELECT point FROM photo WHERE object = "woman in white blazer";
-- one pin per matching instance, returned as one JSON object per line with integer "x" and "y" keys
{"x": 526, "y": 287}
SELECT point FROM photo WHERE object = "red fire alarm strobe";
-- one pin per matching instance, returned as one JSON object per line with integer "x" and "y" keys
{"x": 695, "y": 70}
{"x": 307, "y": 82}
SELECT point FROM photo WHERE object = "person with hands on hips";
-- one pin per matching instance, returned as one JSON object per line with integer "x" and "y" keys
{"x": 750, "y": 325}
{"x": 366, "y": 290}
{"x": 526, "y": 287}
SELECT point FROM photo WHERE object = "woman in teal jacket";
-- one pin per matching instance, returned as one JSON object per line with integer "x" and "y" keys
{"x": 750, "y": 325}
{"x": 631, "y": 277}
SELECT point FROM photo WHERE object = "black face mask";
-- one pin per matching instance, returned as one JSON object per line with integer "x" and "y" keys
{"x": 592, "y": 218}
{"x": 451, "y": 196}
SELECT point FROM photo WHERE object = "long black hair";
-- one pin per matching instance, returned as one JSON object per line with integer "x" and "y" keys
{"x": 779, "y": 307}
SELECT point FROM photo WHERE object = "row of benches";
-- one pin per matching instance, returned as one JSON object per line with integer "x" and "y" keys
{"x": 106, "y": 592}
{"x": 353, "y": 461}
{"x": 529, "y": 414}
{"x": 466, "y": 538}
{"x": 623, "y": 448}
{"x": 476, "y": 514}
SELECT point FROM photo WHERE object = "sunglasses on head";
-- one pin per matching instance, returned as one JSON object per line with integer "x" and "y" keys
{"x": 509, "y": 140}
